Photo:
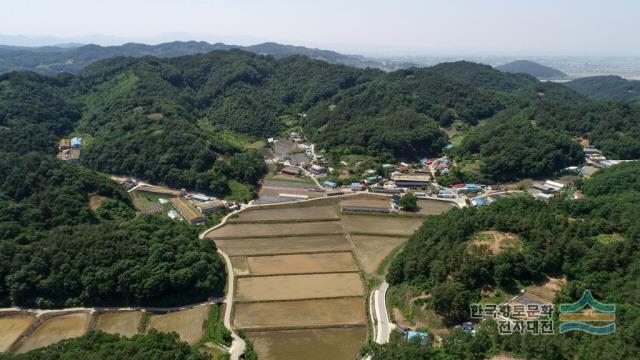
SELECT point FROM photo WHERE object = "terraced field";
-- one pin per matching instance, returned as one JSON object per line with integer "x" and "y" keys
{"x": 120, "y": 322}
{"x": 56, "y": 329}
{"x": 11, "y": 327}
{"x": 301, "y": 268}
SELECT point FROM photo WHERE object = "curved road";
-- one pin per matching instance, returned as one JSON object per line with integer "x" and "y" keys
{"x": 380, "y": 305}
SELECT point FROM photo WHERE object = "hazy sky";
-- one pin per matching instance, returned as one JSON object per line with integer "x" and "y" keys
{"x": 421, "y": 27}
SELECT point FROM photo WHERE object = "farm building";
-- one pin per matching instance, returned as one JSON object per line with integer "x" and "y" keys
{"x": 381, "y": 190}
{"x": 445, "y": 194}
{"x": 543, "y": 196}
{"x": 64, "y": 144}
{"x": 587, "y": 171}
{"x": 479, "y": 202}
{"x": 419, "y": 337}
{"x": 555, "y": 185}
{"x": 412, "y": 181}
{"x": 290, "y": 171}
{"x": 317, "y": 169}
{"x": 357, "y": 186}
{"x": 76, "y": 142}
{"x": 70, "y": 155}
{"x": 160, "y": 191}
{"x": 330, "y": 184}
{"x": 188, "y": 211}
{"x": 369, "y": 209}
{"x": 202, "y": 197}
{"x": 210, "y": 206}
{"x": 544, "y": 188}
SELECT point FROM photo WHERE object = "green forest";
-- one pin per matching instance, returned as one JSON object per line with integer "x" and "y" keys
{"x": 55, "y": 251}
{"x": 592, "y": 242}
{"x": 165, "y": 120}
{"x": 100, "y": 346}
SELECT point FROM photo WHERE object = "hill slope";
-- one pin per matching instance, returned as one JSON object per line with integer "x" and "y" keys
{"x": 608, "y": 88}
{"x": 533, "y": 69}
{"x": 53, "y": 59}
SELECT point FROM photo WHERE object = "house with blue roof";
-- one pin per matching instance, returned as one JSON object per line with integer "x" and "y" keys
{"x": 416, "y": 337}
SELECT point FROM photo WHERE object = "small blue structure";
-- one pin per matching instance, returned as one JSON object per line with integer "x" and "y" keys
{"x": 356, "y": 186}
{"x": 445, "y": 194}
{"x": 330, "y": 184}
{"x": 76, "y": 142}
{"x": 444, "y": 161}
{"x": 479, "y": 202}
{"x": 415, "y": 336}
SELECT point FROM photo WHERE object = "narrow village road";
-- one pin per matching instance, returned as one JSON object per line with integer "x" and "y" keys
{"x": 380, "y": 306}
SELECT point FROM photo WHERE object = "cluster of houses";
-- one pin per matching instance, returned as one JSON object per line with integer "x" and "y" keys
{"x": 69, "y": 149}
{"x": 547, "y": 190}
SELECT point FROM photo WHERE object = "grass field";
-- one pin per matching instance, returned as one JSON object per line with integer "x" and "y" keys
{"x": 11, "y": 327}
{"x": 121, "y": 322}
{"x": 316, "y": 344}
{"x": 284, "y": 245}
{"x": 301, "y": 263}
{"x": 381, "y": 225}
{"x": 275, "y": 230}
{"x": 266, "y": 214}
{"x": 239, "y": 192}
{"x": 372, "y": 250}
{"x": 188, "y": 324}
{"x": 325, "y": 312}
{"x": 434, "y": 207}
{"x": 56, "y": 329}
{"x": 298, "y": 287}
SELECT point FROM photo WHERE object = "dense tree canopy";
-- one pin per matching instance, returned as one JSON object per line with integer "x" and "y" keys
{"x": 55, "y": 251}
{"x": 100, "y": 346}
{"x": 593, "y": 242}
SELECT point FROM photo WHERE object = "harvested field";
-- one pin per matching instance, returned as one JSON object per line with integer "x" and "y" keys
{"x": 372, "y": 250}
{"x": 11, "y": 327}
{"x": 369, "y": 201}
{"x": 188, "y": 324}
{"x": 298, "y": 287}
{"x": 240, "y": 265}
{"x": 230, "y": 231}
{"x": 56, "y": 329}
{"x": 434, "y": 207}
{"x": 290, "y": 214}
{"x": 301, "y": 263}
{"x": 497, "y": 241}
{"x": 316, "y": 344}
{"x": 121, "y": 322}
{"x": 326, "y": 312}
{"x": 272, "y": 195}
{"x": 381, "y": 225}
{"x": 284, "y": 245}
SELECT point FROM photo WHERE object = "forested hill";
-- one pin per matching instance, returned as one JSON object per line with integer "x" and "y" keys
{"x": 52, "y": 60}
{"x": 592, "y": 242}
{"x": 533, "y": 69}
{"x": 607, "y": 88}
{"x": 68, "y": 237}
{"x": 183, "y": 121}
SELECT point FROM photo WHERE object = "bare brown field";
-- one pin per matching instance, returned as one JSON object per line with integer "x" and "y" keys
{"x": 316, "y": 344}
{"x": 381, "y": 225}
{"x": 371, "y": 201}
{"x": 120, "y": 322}
{"x": 497, "y": 241}
{"x": 301, "y": 263}
{"x": 265, "y": 230}
{"x": 240, "y": 265}
{"x": 11, "y": 327}
{"x": 275, "y": 191}
{"x": 188, "y": 324}
{"x": 292, "y": 214}
{"x": 434, "y": 207}
{"x": 298, "y": 287}
{"x": 372, "y": 250}
{"x": 95, "y": 201}
{"x": 56, "y": 329}
{"x": 284, "y": 245}
{"x": 548, "y": 290}
{"x": 326, "y": 312}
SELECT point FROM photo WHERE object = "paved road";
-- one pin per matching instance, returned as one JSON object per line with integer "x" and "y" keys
{"x": 380, "y": 305}
{"x": 237, "y": 345}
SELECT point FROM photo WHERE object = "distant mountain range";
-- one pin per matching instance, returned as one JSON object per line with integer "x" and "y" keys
{"x": 72, "y": 58}
{"x": 534, "y": 69}
{"x": 607, "y": 88}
